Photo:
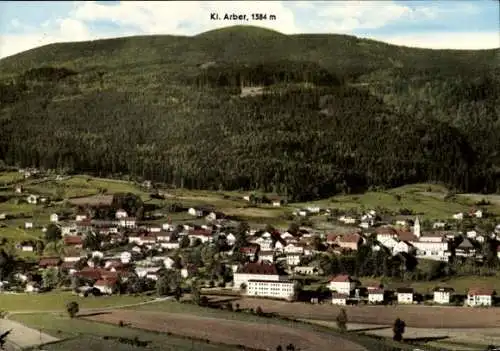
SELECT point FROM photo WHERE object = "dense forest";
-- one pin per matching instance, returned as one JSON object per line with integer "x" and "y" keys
{"x": 321, "y": 126}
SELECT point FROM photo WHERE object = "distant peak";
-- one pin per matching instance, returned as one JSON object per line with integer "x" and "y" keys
{"x": 242, "y": 29}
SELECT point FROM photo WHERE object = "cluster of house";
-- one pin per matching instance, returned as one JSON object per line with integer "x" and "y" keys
{"x": 348, "y": 290}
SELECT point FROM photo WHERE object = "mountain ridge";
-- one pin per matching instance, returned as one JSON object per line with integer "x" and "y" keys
{"x": 169, "y": 109}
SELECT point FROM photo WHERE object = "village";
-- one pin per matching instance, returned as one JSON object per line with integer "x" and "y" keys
{"x": 104, "y": 250}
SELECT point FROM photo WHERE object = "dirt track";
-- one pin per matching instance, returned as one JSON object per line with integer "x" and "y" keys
{"x": 260, "y": 336}
{"x": 414, "y": 316}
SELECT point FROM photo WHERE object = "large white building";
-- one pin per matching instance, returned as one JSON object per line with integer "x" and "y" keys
{"x": 256, "y": 271}
{"x": 277, "y": 289}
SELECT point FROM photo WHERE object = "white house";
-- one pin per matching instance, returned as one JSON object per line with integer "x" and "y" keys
{"x": 68, "y": 229}
{"x": 401, "y": 247}
{"x": 27, "y": 248}
{"x": 266, "y": 256}
{"x": 387, "y": 241}
{"x": 313, "y": 209}
{"x": 246, "y": 197}
{"x": 125, "y": 257}
{"x": 343, "y": 284}
{"x": 106, "y": 286}
{"x": 347, "y": 219}
{"x": 439, "y": 225}
{"x": 54, "y": 218}
{"x": 3, "y": 215}
{"x": 375, "y": 296}
{"x": 442, "y": 295}
{"x": 195, "y": 212}
{"x": 231, "y": 239}
{"x": 278, "y": 289}
{"x": 144, "y": 271}
{"x": 168, "y": 262}
{"x": 480, "y": 297}
{"x": 293, "y": 259}
{"x": 32, "y": 287}
{"x": 291, "y": 248}
{"x": 339, "y": 299}
{"x": 170, "y": 245}
{"x": 458, "y": 216}
{"x": 405, "y": 295}
{"x": 256, "y": 271}
{"x": 121, "y": 213}
{"x": 478, "y": 214}
{"x": 28, "y": 225}
{"x": 127, "y": 222}
{"x": 306, "y": 270}
{"x": 276, "y": 202}
{"x": 80, "y": 217}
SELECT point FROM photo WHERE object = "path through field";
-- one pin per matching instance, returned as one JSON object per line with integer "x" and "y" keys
{"x": 260, "y": 336}
{"x": 23, "y": 336}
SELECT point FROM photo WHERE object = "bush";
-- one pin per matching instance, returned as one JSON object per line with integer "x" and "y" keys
{"x": 72, "y": 308}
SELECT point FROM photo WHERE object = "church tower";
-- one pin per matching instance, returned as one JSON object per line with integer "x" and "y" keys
{"x": 416, "y": 228}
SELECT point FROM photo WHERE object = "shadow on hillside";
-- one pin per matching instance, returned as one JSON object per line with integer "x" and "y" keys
{"x": 92, "y": 314}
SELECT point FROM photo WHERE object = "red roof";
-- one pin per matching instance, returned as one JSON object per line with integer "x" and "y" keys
{"x": 330, "y": 238}
{"x": 249, "y": 249}
{"x": 106, "y": 282}
{"x": 73, "y": 240}
{"x": 259, "y": 268}
{"x": 481, "y": 292}
{"x": 406, "y": 236}
{"x": 49, "y": 262}
{"x": 386, "y": 231}
{"x": 342, "y": 278}
{"x": 350, "y": 238}
{"x": 202, "y": 232}
{"x": 68, "y": 265}
{"x": 376, "y": 291}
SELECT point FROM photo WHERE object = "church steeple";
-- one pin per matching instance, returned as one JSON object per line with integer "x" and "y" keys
{"x": 416, "y": 228}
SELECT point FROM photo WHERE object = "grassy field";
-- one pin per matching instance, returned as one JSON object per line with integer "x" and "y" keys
{"x": 460, "y": 284}
{"x": 10, "y": 177}
{"x": 62, "y": 326}
{"x": 427, "y": 200}
{"x": 56, "y": 301}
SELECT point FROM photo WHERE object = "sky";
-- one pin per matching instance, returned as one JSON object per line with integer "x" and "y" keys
{"x": 434, "y": 24}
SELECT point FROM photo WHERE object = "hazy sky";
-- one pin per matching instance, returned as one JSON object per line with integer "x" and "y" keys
{"x": 429, "y": 24}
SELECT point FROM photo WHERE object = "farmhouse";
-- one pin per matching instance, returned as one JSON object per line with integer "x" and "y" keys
{"x": 256, "y": 271}
{"x": 350, "y": 241}
{"x": 465, "y": 249}
{"x": 54, "y": 218}
{"x": 343, "y": 284}
{"x": 277, "y": 289}
{"x": 405, "y": 295}
{"x": 196, "y": 212}
{"x": 480, "y": 297}
{"x": 74, "y": 241}
{"x": 443, "y": 295}
{"x": 266, "y": 256}
{"x": 28, "y": 225}
{"x": 376, "y": 296}
{"x": 107, "y": 286}
{"x": 121, "y": 213}
{"x": 127, "y": 222}
{"x": 339, "y": 299}
{"x": 276, "y": 201}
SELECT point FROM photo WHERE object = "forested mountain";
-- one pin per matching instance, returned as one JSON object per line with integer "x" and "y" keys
{"x": 332, "y": 113}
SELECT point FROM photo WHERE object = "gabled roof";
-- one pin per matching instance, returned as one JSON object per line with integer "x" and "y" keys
{"x": 350, "y": 238}
{"x": 49, "y": 261}
{"x": 405, "y": 290}
{"x": 481, "y": 292}
{"x": 73, "y": 240}
{"x": 259, "y": 268}
{"x": 341, "y": 278}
